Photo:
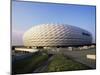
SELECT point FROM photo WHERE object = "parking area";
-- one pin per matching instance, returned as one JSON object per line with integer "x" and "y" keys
{"x": 81, "y": 56}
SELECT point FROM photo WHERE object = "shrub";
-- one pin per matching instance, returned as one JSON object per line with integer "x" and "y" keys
{"x": 28, "y": 65}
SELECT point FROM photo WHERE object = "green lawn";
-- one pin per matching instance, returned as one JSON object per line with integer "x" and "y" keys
{"x": 60, "y": 63}
{"x": 29, "y": 64}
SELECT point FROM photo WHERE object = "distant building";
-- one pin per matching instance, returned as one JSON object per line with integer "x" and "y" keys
{"x": 56, "y": 35}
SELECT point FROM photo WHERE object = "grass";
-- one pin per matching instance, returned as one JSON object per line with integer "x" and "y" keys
{"x": 28, "y": 65}
{"x": 60, "y": 63}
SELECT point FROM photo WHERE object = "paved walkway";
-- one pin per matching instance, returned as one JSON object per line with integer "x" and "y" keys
{"x": 43, "y": 66}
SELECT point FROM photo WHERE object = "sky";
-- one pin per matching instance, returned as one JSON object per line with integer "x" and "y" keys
{"x": 28, "y": 14}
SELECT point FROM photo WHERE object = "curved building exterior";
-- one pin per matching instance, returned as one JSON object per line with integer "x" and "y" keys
{"x": 56, "y": 35}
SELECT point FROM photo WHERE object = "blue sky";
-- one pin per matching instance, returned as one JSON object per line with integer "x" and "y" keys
{"x": 27, "y": 14}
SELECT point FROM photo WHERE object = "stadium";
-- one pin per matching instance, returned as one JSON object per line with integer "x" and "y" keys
{"x": 56, "y": 35}
{"x": 47, "y": 44}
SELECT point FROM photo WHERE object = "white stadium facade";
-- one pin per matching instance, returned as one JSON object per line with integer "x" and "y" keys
{"x": 56, "y": 35}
